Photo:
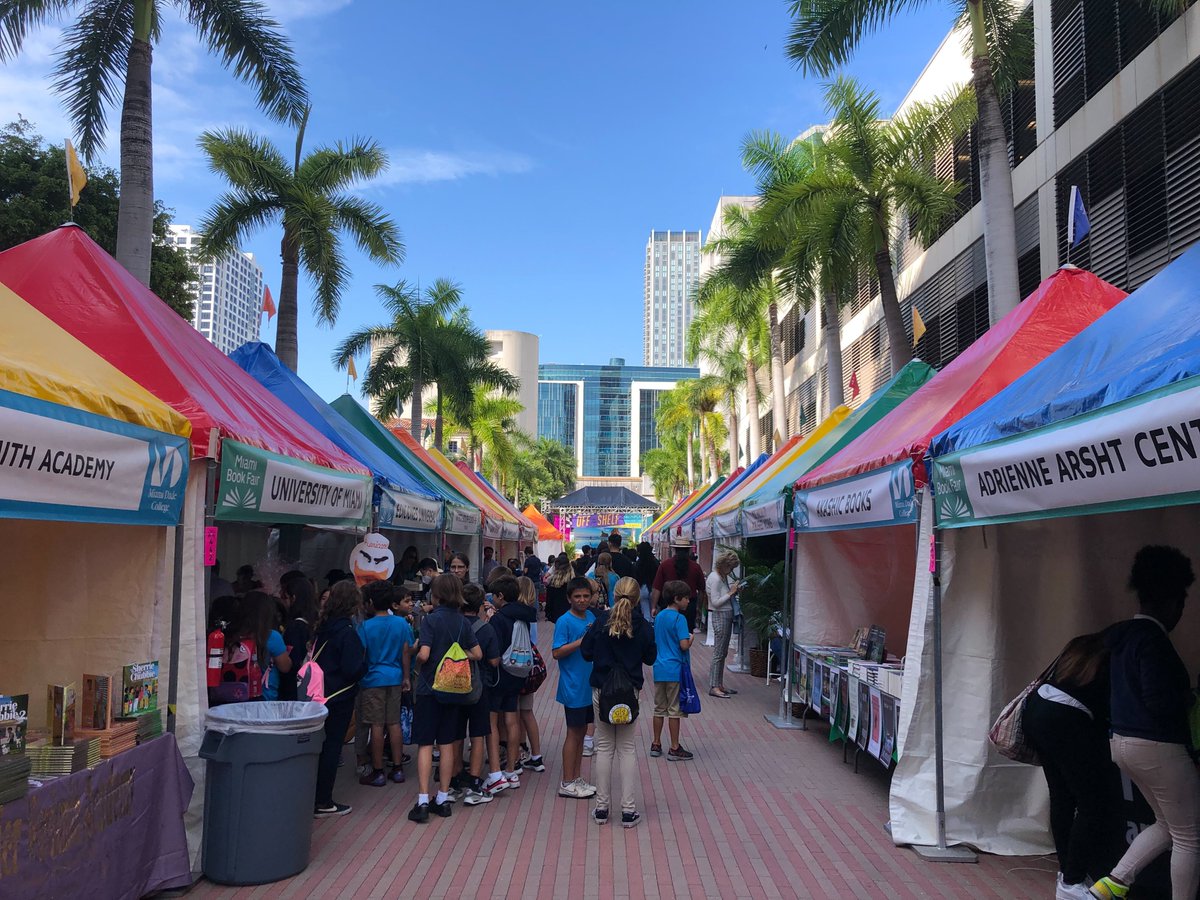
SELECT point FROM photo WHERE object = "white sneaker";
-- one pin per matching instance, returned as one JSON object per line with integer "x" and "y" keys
{"x": 474, "y": 798}
{"x": 574, "y": 790}
{"x": 492, "y": 787}
{"x": 588, "y": 749}
{"x": 1063, "y": 891}
{"x": 589, "y": 790}
{"x": 513, "y": 779}
{"x": 364, "y": 770}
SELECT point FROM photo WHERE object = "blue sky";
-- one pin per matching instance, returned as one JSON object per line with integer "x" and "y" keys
{"x": 534, "y": 145}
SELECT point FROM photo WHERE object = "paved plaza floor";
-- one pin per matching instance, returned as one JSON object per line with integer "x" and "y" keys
{"x": 758, "y": 813}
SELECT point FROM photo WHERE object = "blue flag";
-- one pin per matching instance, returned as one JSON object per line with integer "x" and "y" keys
{"x": 1078, "y": 225}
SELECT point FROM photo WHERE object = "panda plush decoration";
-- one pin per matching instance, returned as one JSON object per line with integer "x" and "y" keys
{"x": 372, "y": 560}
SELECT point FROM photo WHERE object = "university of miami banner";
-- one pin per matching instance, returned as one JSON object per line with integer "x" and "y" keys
{"x": 65, "y": 464}
{"x": 260, "y": 486}
{"x": 874, "y": 499}
{"x": 1144, "y": 452}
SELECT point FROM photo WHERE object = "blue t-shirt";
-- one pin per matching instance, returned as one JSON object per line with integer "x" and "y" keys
{"x": 275, "y": 646}
{"x": 574, "y": 671}
{"x": 385, "y": 638}
{"x": 670, "y": 627}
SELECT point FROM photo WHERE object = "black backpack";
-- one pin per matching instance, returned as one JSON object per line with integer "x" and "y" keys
{"x": 618, "y": 698}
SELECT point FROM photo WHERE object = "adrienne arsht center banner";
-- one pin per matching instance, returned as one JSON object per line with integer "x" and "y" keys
{"x": 1144, "y": 452}
{"x": 65, "y": 464}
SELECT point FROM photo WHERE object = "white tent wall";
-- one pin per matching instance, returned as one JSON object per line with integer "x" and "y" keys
{"x": 847, "y": 579}
{"x": 81, "y": 597}
{"x": 547, "y": 550}
{"x": 1013, "y": 595}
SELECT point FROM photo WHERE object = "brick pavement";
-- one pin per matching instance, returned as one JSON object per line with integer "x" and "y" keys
{"x": 760, "y": 813}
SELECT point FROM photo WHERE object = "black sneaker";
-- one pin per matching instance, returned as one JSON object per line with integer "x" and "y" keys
{"x": 679, "y": 754}
{"x": 629, "y": 819}
{"x": 460, "y": 782}
{"x": 656, "y": 749}
{"x": 535, "y": 764}
{"x": 326, "y": 812}
{"x": 442, "y": 809}
{"x": 419, "y": 813}
{"x": 600, "y": 816}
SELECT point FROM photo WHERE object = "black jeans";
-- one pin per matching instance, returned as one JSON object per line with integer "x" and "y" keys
{"x": 336, "y": 724}
{"x": 1084, "y": 786}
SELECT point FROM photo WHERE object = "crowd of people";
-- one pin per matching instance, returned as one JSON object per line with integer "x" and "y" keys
{"x": 388, "y": 651}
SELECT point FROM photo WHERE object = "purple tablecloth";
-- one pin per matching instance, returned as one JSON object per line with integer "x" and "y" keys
{"x": 115, "y": 831}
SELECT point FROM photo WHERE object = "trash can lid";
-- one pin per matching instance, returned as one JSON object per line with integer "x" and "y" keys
{"x": 267, "y": 717}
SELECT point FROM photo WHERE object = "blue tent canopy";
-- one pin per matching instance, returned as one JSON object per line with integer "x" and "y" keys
{"x": 1105, "y": 423}
{"x": 730, "y": 485}
{"x": 404, "y": 503}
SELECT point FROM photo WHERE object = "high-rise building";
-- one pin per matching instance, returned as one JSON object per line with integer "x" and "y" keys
{"x": 1108, "y": 104}
{"x": 517, "y": 353}
{"x": 229, "y": 296}
{"x": 672, "y": 276}
{"x": 604, "y": 414}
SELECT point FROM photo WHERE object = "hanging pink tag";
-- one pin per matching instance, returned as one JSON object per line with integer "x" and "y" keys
{"x": 210, "y": 545}
{"x": 932, "y": 554}
{"x": 791, "y": 538}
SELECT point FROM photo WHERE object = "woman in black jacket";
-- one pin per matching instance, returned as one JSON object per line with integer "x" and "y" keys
{"x": 343, "y": 661}
{"x": 1151, "y": 737}
{"x": 646, "y": 568}
{"x": 618, "y": 638}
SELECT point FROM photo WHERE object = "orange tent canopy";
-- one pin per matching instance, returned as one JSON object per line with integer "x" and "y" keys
{"x": 546, "y": 531}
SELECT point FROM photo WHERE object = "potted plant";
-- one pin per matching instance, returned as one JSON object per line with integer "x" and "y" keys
{"x": 762, "y": 607}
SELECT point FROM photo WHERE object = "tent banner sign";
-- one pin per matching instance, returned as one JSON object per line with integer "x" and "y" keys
{"x": 405, "y": 512}
{"x": 874, "y": 499}
{"x": 604, "y": 520}
{"x": 493, "y": 528}
{"x": 65, "y": 464}
{"x": 725, "y": 525}
{"x": 462, "y": 521}
{"x": 767, "y": 518}
{"x": 1141, "y": 453}
{"x": 261, "y": 486}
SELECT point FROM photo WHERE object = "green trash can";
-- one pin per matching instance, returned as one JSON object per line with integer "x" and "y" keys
{"x": 260, "y": 781}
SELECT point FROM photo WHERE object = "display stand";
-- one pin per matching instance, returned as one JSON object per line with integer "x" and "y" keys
{"x": 783, "y": 719}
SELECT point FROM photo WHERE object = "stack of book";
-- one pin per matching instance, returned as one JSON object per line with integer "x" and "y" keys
{"x": 149, "y": 725}
{"x": 14, "y": 777}
{"x": 121, "y": 736}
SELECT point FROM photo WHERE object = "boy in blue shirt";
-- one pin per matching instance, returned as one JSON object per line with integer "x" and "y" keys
{"x": 574, "y": 690}
{"x": 673, "y": 638}
{"x": 388, "y": 641}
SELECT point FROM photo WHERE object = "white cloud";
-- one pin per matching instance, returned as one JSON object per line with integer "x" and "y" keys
{"x": 416, "y": 166}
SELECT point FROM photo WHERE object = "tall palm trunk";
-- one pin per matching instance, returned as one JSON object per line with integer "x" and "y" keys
{"x": 714, "y": 455}
{"x": 415, "y": 423}
{"x": 286, "y": 346}
{"x": 704, "y": 473}
{"x": 135, "y": 210}
{"x": 778, "y": 413}
{"x": 995, "y": 179}
{"x": 731, "y": 403}
{"x": 832, "y": 327}
{"x": 437, "y": 421}
{"x": 752, "y": 403}
{"x": 899, "y": 350}
{"x": 691, "y": 466}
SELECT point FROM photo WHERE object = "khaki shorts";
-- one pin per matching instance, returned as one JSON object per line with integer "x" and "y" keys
{"x": 666, "y": 699}
{"x": 380, "y": 705}
{"x": 525, "y": 701}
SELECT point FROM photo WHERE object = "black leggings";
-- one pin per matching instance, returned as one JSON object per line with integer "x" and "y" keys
{"x": 1084, "y": 786}
{"x": 336, "y": 724}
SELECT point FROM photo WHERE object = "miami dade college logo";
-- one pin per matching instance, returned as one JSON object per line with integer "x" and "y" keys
{"x": 166, "y": 466}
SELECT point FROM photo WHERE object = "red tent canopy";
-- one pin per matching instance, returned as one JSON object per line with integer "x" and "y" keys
{"x": 71, "y": 280}
{"x": 1062, "y": 306}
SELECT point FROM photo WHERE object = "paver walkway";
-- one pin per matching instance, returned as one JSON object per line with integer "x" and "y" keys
{"x": 759, "y": 813}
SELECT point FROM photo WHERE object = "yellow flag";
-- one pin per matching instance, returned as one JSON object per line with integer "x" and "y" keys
{"x": 76, "y": 177}
{"x": 918, "y": 326}
{"x": 352, "y": 370}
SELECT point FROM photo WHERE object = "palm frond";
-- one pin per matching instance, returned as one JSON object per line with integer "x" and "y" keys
{"x": 329, "y": 169}
{"x": 251, "y": 43}
{"x": 374, "y": 232}
{"x": 320, "y": 254}
{"x": 19, "y": 17}
{"x": 247, "y": 161}
{"x": 363, "y": 339}
{"x": 235, "y": 216}
{"x": 825, "y": 33}
{"x": 91, "y": 66}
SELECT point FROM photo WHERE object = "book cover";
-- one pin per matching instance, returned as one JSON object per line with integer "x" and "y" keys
{"x": 876, "y": 739}
{"x": 61, "y": 714}
{"x": 864, "y": 714}
{"x": 835, "y": 677}
{"x": 816, "y": 688}
{"x": 875, "y": 642}
{"x": 139, "y": 688}
{"x": 843, "y": 710}
{"x": 96, "y": 711}
{"x": 14, "y": 723}
{"x": 888, "y": 743}
{"x": 853, "y": 704}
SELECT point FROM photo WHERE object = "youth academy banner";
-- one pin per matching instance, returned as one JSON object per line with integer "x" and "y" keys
{"x": 260, "y": 486}
{"x": 1132, "y": 455}
{"x": 875, "y": 499}
{"x": 64, "y": 464}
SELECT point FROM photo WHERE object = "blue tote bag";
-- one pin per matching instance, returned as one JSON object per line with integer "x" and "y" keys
{"x": 689, "y": 699}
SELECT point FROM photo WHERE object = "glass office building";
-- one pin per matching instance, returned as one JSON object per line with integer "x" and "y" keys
{"x": 604, "y": 414}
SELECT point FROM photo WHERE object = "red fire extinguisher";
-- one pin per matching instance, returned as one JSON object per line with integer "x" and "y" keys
{"x": 216, "y": 656}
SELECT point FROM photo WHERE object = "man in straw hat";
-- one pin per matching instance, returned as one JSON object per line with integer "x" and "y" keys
{"x": 681, "y": 567}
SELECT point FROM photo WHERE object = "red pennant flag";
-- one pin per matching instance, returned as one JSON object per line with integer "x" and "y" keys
{"x": 268, "y": 302}
{"x": 853, "y": 385}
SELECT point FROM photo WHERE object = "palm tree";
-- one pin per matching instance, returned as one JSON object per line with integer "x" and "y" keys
{"x": 825, "y": 33}
{"x": 676, "y": 425}
{"x": 542, "y": 470}
{"x": 463, "y": 370}
{"x": 865, "y": 172}
{"x": 404, "y": 358}
{"x": 311, "y": 197}
{"x": 666, "y": 467}
{"x": 107, "y": 53}
{"x": 490, "y": 423}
